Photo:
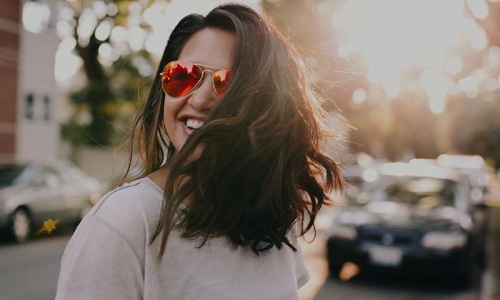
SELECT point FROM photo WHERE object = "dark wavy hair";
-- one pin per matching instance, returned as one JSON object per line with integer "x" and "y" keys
{"x": 255, "y": 168}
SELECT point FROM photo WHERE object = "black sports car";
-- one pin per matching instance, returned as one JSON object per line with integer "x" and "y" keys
{"x": 410, "y": 218}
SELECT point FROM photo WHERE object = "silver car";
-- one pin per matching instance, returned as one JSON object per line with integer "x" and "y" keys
{"x": 32, "y": 193}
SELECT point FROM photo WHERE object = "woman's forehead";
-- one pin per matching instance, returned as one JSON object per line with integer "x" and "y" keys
{"x": 210, "y": 46}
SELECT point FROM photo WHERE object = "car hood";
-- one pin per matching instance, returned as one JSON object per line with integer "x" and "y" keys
{"x": 396, "y": 215}
{"x": 9, "y": 196}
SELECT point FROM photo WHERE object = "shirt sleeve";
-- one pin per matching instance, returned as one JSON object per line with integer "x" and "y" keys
{"x": 99, "y": 263}
{"x": 300, "y": 268}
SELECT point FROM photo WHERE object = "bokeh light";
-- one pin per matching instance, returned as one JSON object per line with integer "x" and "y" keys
{"x": 395, "y": 36}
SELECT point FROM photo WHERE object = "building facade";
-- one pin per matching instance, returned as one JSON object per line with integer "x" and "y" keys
{"x": 29, "y": 129}
{"x": 10, "y": 15}
{"x": 37, "y": 129}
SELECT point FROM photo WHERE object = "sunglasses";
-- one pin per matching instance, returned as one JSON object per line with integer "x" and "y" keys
{"x": 179, "y": 78}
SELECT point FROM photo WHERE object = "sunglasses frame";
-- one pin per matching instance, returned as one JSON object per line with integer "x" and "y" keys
{"x": 202, "y": 67}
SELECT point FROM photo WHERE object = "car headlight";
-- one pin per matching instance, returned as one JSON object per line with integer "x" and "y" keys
{"x": 341, "y": 231}
{"x": 444, "y": 240}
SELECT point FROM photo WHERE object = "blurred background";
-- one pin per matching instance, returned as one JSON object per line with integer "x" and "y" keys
{"x": 407, "y": 81}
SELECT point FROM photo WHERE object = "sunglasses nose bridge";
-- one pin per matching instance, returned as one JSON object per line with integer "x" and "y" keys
{"x": 210, "y": 71}
{"x": 211, "y": 80}
{"x": 202, "y": 78}
{"x": 202, "y": 96}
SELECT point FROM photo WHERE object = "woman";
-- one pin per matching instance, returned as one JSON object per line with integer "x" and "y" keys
{"x": 229, "y": 137}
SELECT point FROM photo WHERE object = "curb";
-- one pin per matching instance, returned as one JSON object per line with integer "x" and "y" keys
{"x": 488, "y": 277}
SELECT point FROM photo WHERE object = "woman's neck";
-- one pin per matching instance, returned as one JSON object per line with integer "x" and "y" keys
{"x": 159, "y": 177}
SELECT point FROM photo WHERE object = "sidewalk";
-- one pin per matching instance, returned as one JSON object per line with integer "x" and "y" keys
{"x": 490, "y": 289}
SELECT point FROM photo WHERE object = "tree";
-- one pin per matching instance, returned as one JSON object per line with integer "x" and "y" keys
{"x": 111, "y": 91}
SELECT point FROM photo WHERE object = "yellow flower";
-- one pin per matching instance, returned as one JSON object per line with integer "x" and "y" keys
{"x": 48, "y": 226}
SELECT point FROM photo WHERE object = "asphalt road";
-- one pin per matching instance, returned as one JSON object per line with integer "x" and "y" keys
{"x": 375, "y": 286}
{"x": 29, "y": 272}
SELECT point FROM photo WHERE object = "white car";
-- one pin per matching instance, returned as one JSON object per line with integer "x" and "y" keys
{"x": 32, "y": 193}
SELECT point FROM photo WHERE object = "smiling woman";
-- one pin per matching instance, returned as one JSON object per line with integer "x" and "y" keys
{"x": 233, "y": 173}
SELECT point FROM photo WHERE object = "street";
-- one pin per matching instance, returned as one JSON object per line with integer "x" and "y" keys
{"x": 371, "y": 286}
{"x": 29, "y": 272}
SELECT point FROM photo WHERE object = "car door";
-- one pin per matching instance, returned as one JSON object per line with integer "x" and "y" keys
{"x": 75, "y": 190}
{"x": 44, "y": 194}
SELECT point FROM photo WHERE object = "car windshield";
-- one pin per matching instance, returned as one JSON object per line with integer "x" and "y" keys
{"x": 414, "y": 191}
{"x": 9, "y": 173}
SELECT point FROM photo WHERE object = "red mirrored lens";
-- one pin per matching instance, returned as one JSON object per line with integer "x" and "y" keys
{"x": 179, "y": 78}
{"x": 221, "y": 80}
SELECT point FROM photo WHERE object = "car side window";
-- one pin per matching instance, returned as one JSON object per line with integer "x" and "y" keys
{"x": 70, "y": 175}
{"x": 46, "y": 176}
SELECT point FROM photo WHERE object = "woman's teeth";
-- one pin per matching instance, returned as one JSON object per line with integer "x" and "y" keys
{"x": 193, "y": 123}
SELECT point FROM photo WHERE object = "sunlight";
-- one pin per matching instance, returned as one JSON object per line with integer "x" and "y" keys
{"x": 436, "y": 85}
{"x": 454, "y": 65}
{"x": 394, "y": 36}
{"x": 67, "y": 64}
{"x": 137, "y": 38}
{"x": 359, "y": 96}
{"x": 126, "y": 38}
{"x": 394, "y": 30}
{"x": 86, "y": 26}
{"x": 163, "y": 17}
{"x": 35, "y": 16}
{"x": 479, "y": 8}
{"x": 103, "y": 31}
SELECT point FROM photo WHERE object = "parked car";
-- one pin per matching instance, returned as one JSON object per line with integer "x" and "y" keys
{"x": 473, "y": 167}
{"x": 476, "y": 170}
{"x": 414, "y": 219}
{"x": 34, "y": 192}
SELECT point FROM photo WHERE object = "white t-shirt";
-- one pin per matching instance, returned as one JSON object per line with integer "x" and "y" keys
{"x": 110, "y": 257}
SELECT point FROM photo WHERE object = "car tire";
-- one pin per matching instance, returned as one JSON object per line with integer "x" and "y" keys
{"x": 20, "y": 225}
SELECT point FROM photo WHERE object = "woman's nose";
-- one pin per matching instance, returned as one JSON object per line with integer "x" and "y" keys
{"x": 204, "y": 96}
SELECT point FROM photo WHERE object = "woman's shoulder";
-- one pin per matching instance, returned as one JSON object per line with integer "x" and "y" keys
{"x": 138, "y": 194}
{"x": 134, "y": 206}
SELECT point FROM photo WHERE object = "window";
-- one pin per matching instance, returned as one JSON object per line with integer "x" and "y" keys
{"x": 46, "y": 108}
{"x": 29, "y": 108}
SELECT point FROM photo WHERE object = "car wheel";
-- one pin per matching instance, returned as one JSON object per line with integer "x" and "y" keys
{"x": 20, "y": 225}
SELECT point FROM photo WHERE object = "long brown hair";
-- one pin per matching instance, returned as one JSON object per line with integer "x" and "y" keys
{"x": 255, "y": 168}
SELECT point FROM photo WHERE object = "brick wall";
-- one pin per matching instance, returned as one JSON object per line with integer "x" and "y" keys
{"x": 9, "y": 60}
